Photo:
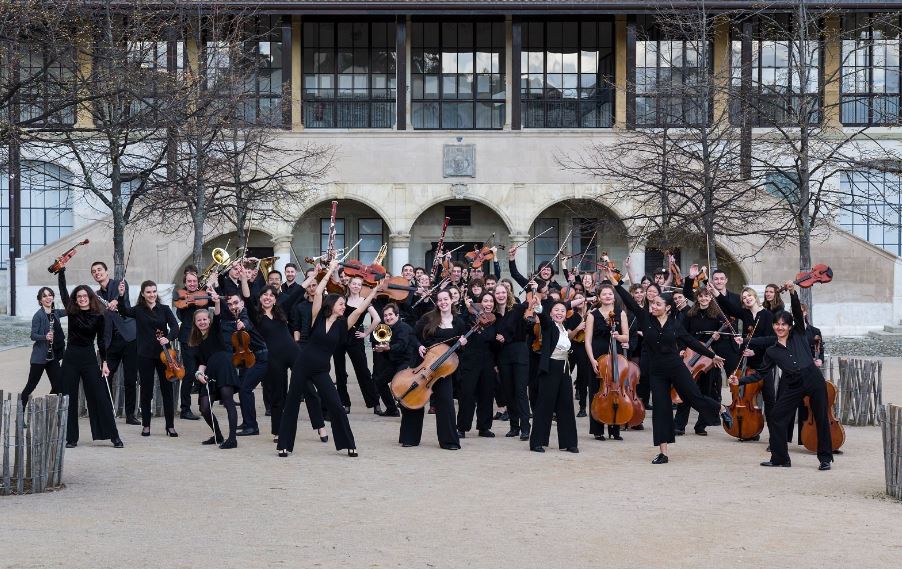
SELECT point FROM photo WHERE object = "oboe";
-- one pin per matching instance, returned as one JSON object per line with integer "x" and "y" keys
{"x": 52, "y": 319}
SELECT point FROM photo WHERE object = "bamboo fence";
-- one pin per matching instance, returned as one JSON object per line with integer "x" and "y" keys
{"x": 33, "y": 443}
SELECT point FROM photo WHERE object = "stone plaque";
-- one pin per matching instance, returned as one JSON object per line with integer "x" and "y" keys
{"x": 459, "y": 161}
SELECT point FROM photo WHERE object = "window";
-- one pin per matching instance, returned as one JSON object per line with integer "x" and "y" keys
{"x": 546, "y": 246}
{"x": 47, "y": 86}
{"x": 349, "y": 74}
{"x": 152, "y": 62}
{"x": 324, "y": 234}
{"x": 584, "y": 235}
{"x": 871, "y": 208}
{"x": 785, "y": 73}
{"x": 250, "y": 72}
{"x": 46, "y": 207}
{"x": 783, "y": 185}
{"x": 369, "y": 231}
{"x": 458, "y": 75}
{"x": 458, "y": 215}
{"x": 567, "y": 75}
{"x": 671, "y": 79}
{"x": 870, "y": 69}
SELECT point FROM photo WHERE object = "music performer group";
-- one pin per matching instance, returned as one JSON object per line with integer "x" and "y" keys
{"x": 452, "y": 331}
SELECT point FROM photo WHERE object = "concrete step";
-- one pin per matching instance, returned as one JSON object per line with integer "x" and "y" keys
{"x": 893, "y": 329}
{"x": 886, "y": 334}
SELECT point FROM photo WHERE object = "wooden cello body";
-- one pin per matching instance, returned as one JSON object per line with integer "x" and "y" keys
{"x": 638, "y": 406}
{"x": 748, "y": 419}
{"x": 612, "y": 404}
{"x": 412, "y": 387}
{"x": 809, "y": 428}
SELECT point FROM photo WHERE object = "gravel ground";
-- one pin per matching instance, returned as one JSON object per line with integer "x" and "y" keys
{"x": 172, "y": 503}
{"x": 866, "y": 346}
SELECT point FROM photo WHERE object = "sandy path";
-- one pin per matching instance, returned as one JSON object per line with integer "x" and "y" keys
{"x": 492, "y": 504}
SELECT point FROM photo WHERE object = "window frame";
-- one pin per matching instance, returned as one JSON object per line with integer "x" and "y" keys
{"x": 869, "y": 95}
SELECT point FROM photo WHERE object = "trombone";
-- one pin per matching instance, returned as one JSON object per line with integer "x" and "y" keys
{"x": 221, "y": 260}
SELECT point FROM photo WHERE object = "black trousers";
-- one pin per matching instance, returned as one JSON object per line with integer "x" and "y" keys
{"x": 666, "y": 371}
{"x": 513, "y": 366}
{"x": 146, "y": 368}
{"x": 126, "y": 354}
{"x": 250, "y": 379}
{"x": 383, "y": 372}
{"x": 793, "y": 389}
{"x": 412, "y": 419}
{"x": 80, "y": 364}
{"x": 579, "y": 360}
{"x": 554, "y": 397}
{"x": 709, "y": 383}
{"x": 477, "y": 386}
{"x": 532, "y": 383}
{"x": 356, "y": 350}
{"x": 288, "y": 428}
{"x": 189, "y": 361}
{"x": 643, "y": 390}
{"x": 35, "y": 372}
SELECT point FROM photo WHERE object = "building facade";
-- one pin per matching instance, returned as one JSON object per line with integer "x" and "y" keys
{"x": 469, "y": 109}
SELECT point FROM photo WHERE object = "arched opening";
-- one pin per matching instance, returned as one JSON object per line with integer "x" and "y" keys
{"x": 259, "y": 244}
{"x": 596, "y": 230}
{"x": 353, "y": 221}
{"x": 46, "y": 207}
{"x": 472, "y": 223}
{"x": 689, "y": 249}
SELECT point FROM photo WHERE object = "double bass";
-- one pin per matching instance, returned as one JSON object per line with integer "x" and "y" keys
{"x": 748, "y": 420}
{"x": 612, "y": 404}
{"x": 412, "y": 387}
{"x": 174, "y": 370}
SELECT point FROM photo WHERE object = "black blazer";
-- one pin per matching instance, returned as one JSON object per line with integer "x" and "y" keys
{"x": 550, "y": 335}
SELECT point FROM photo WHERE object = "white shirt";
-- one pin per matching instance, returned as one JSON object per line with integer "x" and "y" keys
{"x": 563, "y": 344}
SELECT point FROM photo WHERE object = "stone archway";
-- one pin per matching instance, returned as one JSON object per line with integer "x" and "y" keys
{"x": 354, "y": 220}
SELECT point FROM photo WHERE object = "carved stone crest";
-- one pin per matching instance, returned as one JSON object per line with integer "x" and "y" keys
{"x": 459, "y": 160}
{"x": 459, "y": 191}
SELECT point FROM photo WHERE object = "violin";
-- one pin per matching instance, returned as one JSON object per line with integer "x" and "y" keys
{"x": 806, "y": 279}
{"x": 482, "y": 254}
{"x": 185, "y": 299}
{"x": 533, "y": 299}
{"x": 808, "y": 432}
{"x": 412, "y": 387}
{"x": 64, "y": 258}
{"x": 748, "y": 419}
{"x": 612, "y": 405}
{"x": 606, "y": 264}
{"x": 242, "y": 355}
{"x": 674, "y": 271}
{"x": 398, "y": 289}
{"x": 371, "y": 274}
{"x": 174, "y": 370}
{"x": 701, "y": 280}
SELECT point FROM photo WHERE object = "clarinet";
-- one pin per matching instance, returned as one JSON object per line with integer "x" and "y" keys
{"x": 52, "y": 319}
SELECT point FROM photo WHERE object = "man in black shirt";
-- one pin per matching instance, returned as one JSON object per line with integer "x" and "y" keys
{"x": 188, "y": 353}
{"x": 233, "y": 320}
{"x": 792, "y": 354}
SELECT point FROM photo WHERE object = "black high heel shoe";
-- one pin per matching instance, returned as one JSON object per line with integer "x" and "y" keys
{"x": 117, "y": 443}
{"x": 171, "y": 433}
{"x": 352, "y": 453}
{"x": 322, "y": 438}
{"x": 282, "y": 453}
{"x": 145, "y": 432}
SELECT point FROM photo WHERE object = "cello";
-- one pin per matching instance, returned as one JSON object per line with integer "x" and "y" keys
{"x": 412, "y": 387}
{"x": 697, "y": 363}
{"x": 174, "y": 370}
{"x": 612, "y": 404}
{"x": 808, "y": 433}
{"x": 748, "y": 420}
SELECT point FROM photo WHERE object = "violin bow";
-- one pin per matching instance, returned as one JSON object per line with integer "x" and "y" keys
{"x": 531, "y": 239}
{"x": 589, "y": 246}
{"x": 212, "y": 416}
{"x": 553, "y": 259}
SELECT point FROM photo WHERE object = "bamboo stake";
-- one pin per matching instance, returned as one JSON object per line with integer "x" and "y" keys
{"x": 4, "y": 432}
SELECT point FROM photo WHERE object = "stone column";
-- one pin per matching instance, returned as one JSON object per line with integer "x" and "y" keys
{"x": 832, "y": 71}
{"x": 399, "y": 249}
{"x": 297, "y": 77}
{"x": 83, "y": 116}
{"x": 620, "y": 76}
{"x": 522, "y": 257}
{"x": 722, "y": 78}
{"x": 281, "y": 246}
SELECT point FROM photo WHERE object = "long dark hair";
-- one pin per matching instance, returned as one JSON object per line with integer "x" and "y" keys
{"x": 776, "y": 305}
{"x": 433, "y": 318}
{"x": 277, "y": 313}
{"x": 44, "y": 289}
{"x": 94, "y": 306}
{"x": 329, "y": 303}
{"x": 144, "y": 285}
{"x": 710, "y": 312}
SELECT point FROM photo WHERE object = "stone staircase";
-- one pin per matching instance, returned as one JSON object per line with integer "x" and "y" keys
{"x": 892, "y": 331}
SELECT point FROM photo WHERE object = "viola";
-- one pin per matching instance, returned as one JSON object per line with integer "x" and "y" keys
{"x": 64, "y": 258}
{"x": 185, "y": 299}
{"x": 809, "y": 428}
{"x": 242, "y": 355}
{"x": 612, "y": 404}
{"x": 806, "y": 279}
{"x": 412, "y": 387}
{"x": 174, "y": 370}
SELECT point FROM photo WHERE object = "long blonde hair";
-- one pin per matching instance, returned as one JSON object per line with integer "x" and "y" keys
{"x": 752, "y": 292}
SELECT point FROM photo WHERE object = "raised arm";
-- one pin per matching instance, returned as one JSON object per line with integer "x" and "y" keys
{"x": 512, "y": 267}
{"x": 61, "y": 282}
{"x": 321, "y": 288}
{"x": 365, "y": 305}
{"x": 798, "y": 318}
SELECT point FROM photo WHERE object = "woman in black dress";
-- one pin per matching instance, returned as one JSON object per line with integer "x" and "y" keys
{"x": 355, "y": 348}
{"x": 329, "y": 331}
{"x": 152, "y": 319}
{"x": 477, "y": 372}
{"x": 439, "y": 326}
{"x": 49, "y": 343}
{"x": 283, "y": 351}
{"x": 660, "y": 332}
{"x": 87, "y": 325}
{"x": 598, "y": 343}
{"x": 215, "y": 372}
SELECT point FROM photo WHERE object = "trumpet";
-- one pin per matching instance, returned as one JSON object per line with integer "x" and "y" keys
{"x": 221, "y": 260}
{"x": 382, "y": 334}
